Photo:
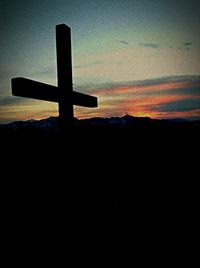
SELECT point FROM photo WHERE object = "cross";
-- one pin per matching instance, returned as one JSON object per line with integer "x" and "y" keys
{"x": 63, "y": 94}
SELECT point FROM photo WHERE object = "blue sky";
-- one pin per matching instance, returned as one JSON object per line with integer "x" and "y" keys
{"x": 113, "y": 41}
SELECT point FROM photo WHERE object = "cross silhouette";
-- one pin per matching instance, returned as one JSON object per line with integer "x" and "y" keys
{"x": 63, "y": 94}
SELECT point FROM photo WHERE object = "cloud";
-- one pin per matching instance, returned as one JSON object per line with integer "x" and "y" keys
{"x": 184, "y": 48}
{"x": 179, "y": 85}
{"x": 165, "y": 97}
{"x": 168, "y": 97}
{"x": 187, "y": 44}
{"x": 124, "y": 42}
{"x": 26, "y": 109}
{"x": 10, "y": 100}
{"x": 149, "y": 45}
{"x": 189, "y": 104}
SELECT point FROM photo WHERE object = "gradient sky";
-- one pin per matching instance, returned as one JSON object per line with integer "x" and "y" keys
{"x": 140, "y": 57}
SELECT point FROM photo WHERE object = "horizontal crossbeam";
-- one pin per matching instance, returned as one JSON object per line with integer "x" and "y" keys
{"x": 24, "y": 87}
{"x": 84, "y": 100}
{"x": 27, "y": 88}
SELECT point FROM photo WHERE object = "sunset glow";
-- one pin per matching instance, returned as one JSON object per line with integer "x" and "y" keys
{"x": 149, "y": 100}
{"x": 138, "y": 57}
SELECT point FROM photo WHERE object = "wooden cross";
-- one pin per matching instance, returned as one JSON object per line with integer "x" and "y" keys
{"x": 63, "y": 94}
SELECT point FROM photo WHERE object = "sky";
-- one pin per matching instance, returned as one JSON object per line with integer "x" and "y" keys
{"x": 139, "y": 57}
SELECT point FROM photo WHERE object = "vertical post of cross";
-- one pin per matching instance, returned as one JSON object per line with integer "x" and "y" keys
{"x": 64, "y": 72}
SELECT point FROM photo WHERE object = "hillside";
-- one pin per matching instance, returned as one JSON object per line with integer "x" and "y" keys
{"x": 98, "y": 174}
{"x": 127, "y": 146}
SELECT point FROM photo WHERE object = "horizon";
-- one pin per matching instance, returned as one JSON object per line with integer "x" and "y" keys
{"x": 31, "y": 120}
{"x": 139, "y": 58}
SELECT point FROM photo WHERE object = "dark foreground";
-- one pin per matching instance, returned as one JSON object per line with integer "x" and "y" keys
{"x": 99, "y": 187}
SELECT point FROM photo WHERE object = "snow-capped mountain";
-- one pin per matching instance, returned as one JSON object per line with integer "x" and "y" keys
{"x": 53, "y": 124}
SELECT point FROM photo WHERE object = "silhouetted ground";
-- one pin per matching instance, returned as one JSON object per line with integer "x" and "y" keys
{"x": 99, "y": 186}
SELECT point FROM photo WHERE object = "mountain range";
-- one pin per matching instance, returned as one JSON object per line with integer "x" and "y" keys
{"x": 52, "y": 123}
{"x": 125, "y": 149}
{"x": 97, "y": 177}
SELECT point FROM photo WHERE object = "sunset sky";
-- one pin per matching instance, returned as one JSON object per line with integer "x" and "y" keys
{"x": 139, "y": 57}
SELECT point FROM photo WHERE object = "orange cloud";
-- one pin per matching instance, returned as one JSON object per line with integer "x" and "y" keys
{"x": 135, "y": 89}
{"x": 145, "y": 100}
{"x": 162, "y": 98}
{"x": 148, "y": 106}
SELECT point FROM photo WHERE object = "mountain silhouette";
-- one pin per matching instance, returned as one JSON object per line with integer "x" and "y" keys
{"x": 126, "y": 122}
{"x": 98, "y": 180}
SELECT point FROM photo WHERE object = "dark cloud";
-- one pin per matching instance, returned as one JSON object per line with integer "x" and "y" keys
{"x": 149, "y": 45}
{"x": 179, "y": 105}
{"x": 183, "y": 91}
{"x": 10, "y": 100}
{"x": 176, "y": 91}
{"x": 124, "y": 42}
{"x": 7, "y": 101}
{"x": 193, "y": 79}
{"x": 187, "y": 44}
{"x": 184, "y": 48}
